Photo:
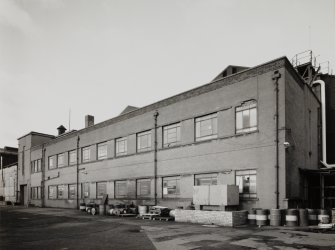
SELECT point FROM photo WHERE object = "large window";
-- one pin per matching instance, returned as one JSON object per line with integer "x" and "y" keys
{"x": 62, "y": 191}
{"x": 85, "y": 190}
{"x": 35, "y": 193}
{"x": 171, "y": 186}
{"x": 52, "y": 163}
{"x": 36, "y": 166}
{"x": 144, "y": 141}
{"x": 246, "y": 180}
{"x": 52, "y": 192}
{"x": 206, "y": 179}
{"x": 171, "y": 135}
{"x": 72, "y": 191}
{"x": 143, "y": 187}
{"x": 206, "y": 127}
{"x": 120, "y": 189}
{"x": 102, "y": 151}
{"x": 60, "y": 160}
{"x": 246, "y": 117}
{"x": 101, "y": 189}
{"x": 72, "y": 157}
{"x": 86, "y": 154}
{"x": 121, "y": 146}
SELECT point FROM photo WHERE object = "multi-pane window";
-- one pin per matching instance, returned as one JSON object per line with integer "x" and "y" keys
{"x": 120, "y": 189}
{"x": 60, "y": 160}
{"x": 206, "y": 179}
{"x": 121, "y": 146}
{"x": 36, "y": 166}
{"x": 86, "y": 154}
{"x": 144, "y": 141}
{"x": 52, "y": 192}
{"x": 35, "y": 193}
{"x": 52, "y": 163}
{"x": 246, "y": 181}
{"x": 143, "y": 187}
{"x": 72, "y": 157}
{"x": 246, "y": 117}
{"x": 72, "y": 191}
{"x": 101, "y": 189}
{"x": 171, "y": 135}
{"x": 206, "y": 127}
{"x": 102, "y": 151}
{"x": 62, "y": 191}
{"x": 85, "y": 187}
{"x": 171, "y": 186}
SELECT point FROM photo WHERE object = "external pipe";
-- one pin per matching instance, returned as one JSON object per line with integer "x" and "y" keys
{"x": 323, "y": 114}
{"x": 155, "y": 154}
{"x": 43, "y": 175}
{"x": 77, "y": 191}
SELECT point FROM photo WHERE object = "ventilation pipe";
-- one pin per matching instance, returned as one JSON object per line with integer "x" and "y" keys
{"x": 323, "y": 114}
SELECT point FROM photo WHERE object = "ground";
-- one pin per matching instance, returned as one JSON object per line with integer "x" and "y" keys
{"x": 50, "y": 228}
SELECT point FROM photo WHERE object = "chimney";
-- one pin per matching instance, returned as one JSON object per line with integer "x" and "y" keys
{"x": 89, "y": 121}
{"x": 61, "y": 130}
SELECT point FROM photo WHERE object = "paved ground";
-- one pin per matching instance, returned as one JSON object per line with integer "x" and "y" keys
{"x": 37, "y": 228}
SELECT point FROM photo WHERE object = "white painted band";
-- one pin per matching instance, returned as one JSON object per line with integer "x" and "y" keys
{"x": 251, "y": 216}
{"x": 312, "y": 217}
{"x": 261, "y": 217}
{"x": 291, "y": 218}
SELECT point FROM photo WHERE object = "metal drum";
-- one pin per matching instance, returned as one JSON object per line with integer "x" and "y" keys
{"x": 82, "y": 206}
{"x": 303, "y": 217}
{"x": 252, "y": 217}
{"x": 323, "y": 216}
{"x": 102, "y": 209}
{"x": 275, "y": 217}
{"x": 262, "y": 217}
{"x": 291, "y": 217}
{"x": 142, "y": 209}
{"x": 94, "y": 210}
{"x": 312, "y": 216}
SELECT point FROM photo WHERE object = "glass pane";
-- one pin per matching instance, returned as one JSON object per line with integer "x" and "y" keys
{"x": 246, "y": 119}
{"x": 253, "y": 117}
{"x": 238, "y": 120}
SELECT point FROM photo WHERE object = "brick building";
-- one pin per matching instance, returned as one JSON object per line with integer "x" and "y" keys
{"x": 253, "y": 127}
{"x": 8, "y": 178}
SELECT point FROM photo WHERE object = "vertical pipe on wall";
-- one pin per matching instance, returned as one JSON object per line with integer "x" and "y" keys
{"x": 78, "y": 139}
{"x": 43, "y": 163}
{"x": 155, "y": 154}
{"x": 275, "y": 78}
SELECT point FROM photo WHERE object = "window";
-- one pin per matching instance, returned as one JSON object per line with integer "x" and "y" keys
{"x": 120, "y": 189}
{"x": 62, "y": 191}
{"x": 52, "y": 163}
{"x": 72, "y": 191}
{"x": 144, "y": 141}
{"x": 72, "y": 157}
{"x": 246, "y": 117}
{"x": 206, "y": 179}
{"x": 102, "y": 151}
{"x": 35, "y": 193}
{"x": 171, "y": 186}
{"x": 86, "y": 154}
{"x": 206, "y": 127}
{"x": 52, "y": 194}
{"x": 36, "y": 166}
{"x": 85, "y": 187}
{"x": 171, "y": 135}
{"x": 143, "y": 187}
{"x": 121, "y": 146}
{"x": 246, "y": 181}
{"x": 60, "y": 160}
{"x": 101, "y": 189}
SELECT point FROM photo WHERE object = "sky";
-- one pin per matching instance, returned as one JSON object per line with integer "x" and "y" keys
{"x": 96, "y": 57}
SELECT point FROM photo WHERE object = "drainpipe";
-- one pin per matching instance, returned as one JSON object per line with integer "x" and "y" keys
{"x": 275, "y": 78}
{"x": 323, "y": 111}
{"x": 155, "y": 155}
{"x": 78, "y": 139}
{"x": 43, "y": 175}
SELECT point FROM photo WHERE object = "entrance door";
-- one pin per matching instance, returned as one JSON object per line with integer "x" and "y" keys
{"x": 23, "y": 195}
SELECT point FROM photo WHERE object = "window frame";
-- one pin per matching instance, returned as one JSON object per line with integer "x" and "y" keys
{"x": 139, "y": 148}
{"x": 116, "y": 194}
{"x": 58, "y": 157}
{"x": 121, "y": 140}
{"x": 69, "y": 196}
{"x": 35, "y": 193}
{"x": 64, "y": 194}
{"x": 53, "y": 160}
{"x": 138, "y": 188}
{"x": 75, "y": 157}
{"x": 243, "y": 173}
{"x": 83, "y": 190}
{"x": 105, "y": 155}
{"x": 247, "y": 107}
{"x": 86, "y": 149}
{"x": 98, "y": 196}
{"x": 55, "y": 192}
{"x": 36, "y": 166}
{"x": 206, "y": 176}
{"x": 199, "y": 122}
{"x": 177, "y": 187}
{"x": 166, "y": 129}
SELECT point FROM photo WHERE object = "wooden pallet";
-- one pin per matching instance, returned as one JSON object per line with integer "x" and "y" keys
{"x": 126, "y": 215}
{"x": 147, "y": 216}
{"x": 161, "y": 218}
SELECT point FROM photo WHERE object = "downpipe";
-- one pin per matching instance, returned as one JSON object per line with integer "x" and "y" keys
{"x": 155, "y": 154}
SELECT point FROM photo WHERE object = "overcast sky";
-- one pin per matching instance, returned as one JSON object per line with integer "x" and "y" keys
{"x": 97, "y": 57}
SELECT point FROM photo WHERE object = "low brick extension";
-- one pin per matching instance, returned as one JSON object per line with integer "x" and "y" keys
{"x": 221, "y": 218}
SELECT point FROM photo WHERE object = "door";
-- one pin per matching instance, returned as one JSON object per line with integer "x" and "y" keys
{"x": 23, "y": 195}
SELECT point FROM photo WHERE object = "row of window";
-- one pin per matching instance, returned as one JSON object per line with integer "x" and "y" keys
{"x": 206, "y": 128}
{"x": 245, "y": 179}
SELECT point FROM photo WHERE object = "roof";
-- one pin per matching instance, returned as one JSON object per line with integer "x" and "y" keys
{"x": 37, "y": 133}
{"x": 128, "y": 109}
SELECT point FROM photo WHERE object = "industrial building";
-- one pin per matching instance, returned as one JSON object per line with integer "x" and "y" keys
{"x": 259, "y": 128}
{"x": 8, "y": 179}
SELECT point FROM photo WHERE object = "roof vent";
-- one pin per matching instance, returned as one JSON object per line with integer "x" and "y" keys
{"x": 61, "y": 130}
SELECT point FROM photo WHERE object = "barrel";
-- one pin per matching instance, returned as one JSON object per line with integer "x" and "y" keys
{"x": 291, "y": 217}
{"x": 303, "y": 217}
{"x": 276, "y": 217}
{"x": 323, "y": 216}
{"x": 102, "y": 209}
{"x": 82, "y": 206}
{"x": 142, "y": 209}
{"x": 333, "y": 215}
{"x": 252, "y": 217}
{"x": 89, "y": 207}
{"x": 172, "y": 213}
{"x": 312, "y": 216}
{"x": 262, "y": 217}
{"x": 94, "y": 210}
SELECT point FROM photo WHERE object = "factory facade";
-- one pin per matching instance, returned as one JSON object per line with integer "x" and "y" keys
{"x": 252, "y": 127}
